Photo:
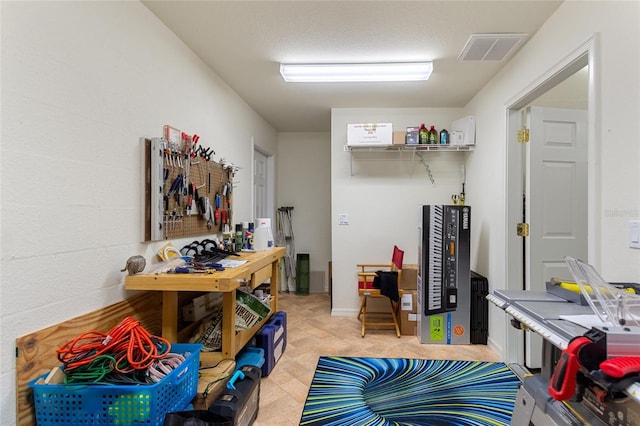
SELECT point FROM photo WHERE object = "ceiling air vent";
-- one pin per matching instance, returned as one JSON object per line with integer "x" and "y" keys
{"x": 491, "y": 47}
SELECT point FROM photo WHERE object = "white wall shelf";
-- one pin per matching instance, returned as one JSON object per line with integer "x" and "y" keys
{"x": 413, "y": 149}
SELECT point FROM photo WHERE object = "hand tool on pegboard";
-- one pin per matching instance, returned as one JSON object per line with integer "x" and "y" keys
{"x": 207, "y": 212}
{"x": 216, "y": 214}
{"x": 174, "y": 190}
{"x": 191, "y": 208}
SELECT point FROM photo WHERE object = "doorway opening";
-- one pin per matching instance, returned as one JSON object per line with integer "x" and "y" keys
{"x": 521, "y": 251}
{"x": 263, "y": 184}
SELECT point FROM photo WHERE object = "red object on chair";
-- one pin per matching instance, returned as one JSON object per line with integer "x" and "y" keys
{"x": 366, "y": 274}
{"x": 366, "y": 290}
{"x": 397, "y": 258}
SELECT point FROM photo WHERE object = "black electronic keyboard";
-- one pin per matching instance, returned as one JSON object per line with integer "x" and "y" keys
{"x": 444, "y": 231}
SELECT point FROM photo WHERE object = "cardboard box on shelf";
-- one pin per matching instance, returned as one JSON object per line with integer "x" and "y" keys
{"x": 369, "y": 134}
{"x": 412, "y": 135}
{"x": 399, "y": 138}
{"x": 201, "y": 306}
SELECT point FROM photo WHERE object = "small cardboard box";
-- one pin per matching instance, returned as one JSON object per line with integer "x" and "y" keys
{"x": 201, "y": 306}
{"x": 412, "y": 135}
{"x": 408, "y": 313}
{"x": 409, "y": 277}
{"x": 399, "y": 138}
{"x": 369, "y": 134}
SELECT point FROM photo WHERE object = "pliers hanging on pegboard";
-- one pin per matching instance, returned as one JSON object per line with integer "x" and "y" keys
{"x": 176, "y": 189}
{"x": 176, "y": 186}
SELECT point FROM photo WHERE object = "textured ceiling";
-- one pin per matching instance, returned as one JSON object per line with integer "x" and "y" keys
{"x": 244, "y": 42}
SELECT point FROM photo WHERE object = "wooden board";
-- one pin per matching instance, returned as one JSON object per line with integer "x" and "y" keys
{"x": 36, "y": 352}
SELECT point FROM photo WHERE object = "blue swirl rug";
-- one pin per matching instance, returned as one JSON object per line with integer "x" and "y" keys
{"x": 398, "y": 391}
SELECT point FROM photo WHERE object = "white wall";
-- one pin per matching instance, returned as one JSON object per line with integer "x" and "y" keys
{"x": 304, "y": 182}
{"x": 618, "y": 150}
{"x": 81, "y": 83}
{"x": 381, "y": 192}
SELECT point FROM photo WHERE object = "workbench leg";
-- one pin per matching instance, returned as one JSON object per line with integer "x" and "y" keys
{"x": 170, "y": 316}
{"x": 275, "y": 286}
{"x": 229, "y": 324}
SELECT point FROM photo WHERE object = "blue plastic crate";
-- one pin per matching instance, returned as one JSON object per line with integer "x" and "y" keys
{"x": 66, "y": 405}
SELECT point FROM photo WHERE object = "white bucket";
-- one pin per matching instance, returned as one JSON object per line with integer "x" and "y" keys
{"x": 263, "y": 237}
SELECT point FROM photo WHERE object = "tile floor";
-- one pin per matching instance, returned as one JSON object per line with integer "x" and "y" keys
{"x": 312, "y": 332}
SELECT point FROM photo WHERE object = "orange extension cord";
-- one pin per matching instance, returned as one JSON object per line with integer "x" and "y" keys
{"x": 133, "y": 347}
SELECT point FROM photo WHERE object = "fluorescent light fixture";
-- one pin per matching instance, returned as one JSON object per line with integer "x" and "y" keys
{"x": 333, "y": 73}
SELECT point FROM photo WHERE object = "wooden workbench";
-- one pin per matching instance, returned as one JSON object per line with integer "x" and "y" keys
{"x": 260, "y": 266}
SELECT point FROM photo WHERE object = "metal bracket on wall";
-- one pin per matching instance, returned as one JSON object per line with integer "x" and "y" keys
{"x": 426, "y": 168}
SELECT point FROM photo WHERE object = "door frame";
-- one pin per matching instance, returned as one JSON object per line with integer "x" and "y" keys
{"x": 270, "y": 181}
{"x": 586, "y": 54}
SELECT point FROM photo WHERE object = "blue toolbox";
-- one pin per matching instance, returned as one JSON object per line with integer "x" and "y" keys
{"x": 249, "y": 355}
{"x": 280, "y": 318}
{"x": 239, "y": 402}
{"x": 272, "y": 339}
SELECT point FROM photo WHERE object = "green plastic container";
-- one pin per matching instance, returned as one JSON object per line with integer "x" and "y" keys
{"x": 302, "y": 273}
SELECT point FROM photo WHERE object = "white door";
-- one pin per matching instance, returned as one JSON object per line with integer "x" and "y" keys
{"x": 260, "y": 185}
{"x": 556, "y": 201}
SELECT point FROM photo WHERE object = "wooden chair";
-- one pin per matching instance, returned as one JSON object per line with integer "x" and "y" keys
{"x": 366, "y": 276}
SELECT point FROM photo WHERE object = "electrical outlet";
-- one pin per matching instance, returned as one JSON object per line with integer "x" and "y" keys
{"x": 343, "y": 219}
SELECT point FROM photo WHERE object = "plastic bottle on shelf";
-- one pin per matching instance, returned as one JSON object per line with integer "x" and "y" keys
{"x": 423, "y": 135}
{"x": 433, "y": 135}
{"x": 444, "y": 137}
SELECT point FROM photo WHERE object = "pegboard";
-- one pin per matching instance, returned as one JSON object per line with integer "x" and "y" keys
{"x": 180, "y": 187}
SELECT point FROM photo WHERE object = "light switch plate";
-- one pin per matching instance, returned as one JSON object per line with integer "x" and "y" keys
{"x": 634, "y": 234}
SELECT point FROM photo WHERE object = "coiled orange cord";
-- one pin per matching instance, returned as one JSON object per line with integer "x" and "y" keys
{"x": 132, "y": 346}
